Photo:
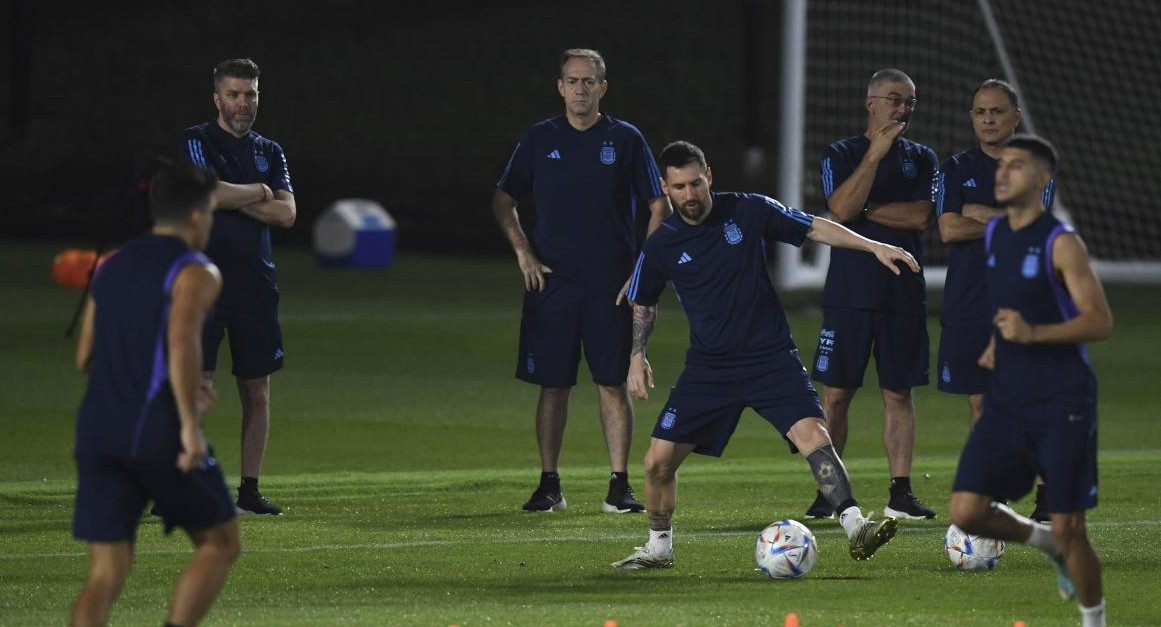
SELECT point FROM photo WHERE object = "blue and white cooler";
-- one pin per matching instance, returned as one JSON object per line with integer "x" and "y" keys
{"x": 355, "y": 233}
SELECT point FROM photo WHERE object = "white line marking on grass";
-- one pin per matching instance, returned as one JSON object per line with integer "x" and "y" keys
{"x": 410, "y": 544}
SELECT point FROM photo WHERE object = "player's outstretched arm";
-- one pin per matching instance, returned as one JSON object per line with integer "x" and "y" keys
{"x": 277, "y": 211}
{"x": 1093, "y": 322}
{"x": 833, "y": 234}
{"x": 85, "y": 342}
{"x": 640, "y": 373}
{"x": 659, "y": 210}
{"x": 194, "y": 292}
{"x": 987, "y": 359}
{"x": 504, "y": 208}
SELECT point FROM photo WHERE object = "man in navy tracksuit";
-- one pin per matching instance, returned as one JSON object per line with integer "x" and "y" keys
{"x": 254, "y": 193}
{"x": 588, "y": 172}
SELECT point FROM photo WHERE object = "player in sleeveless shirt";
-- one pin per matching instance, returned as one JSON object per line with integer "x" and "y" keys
{"x": 1040, "y": 410}
{"x": 139, "y": 434}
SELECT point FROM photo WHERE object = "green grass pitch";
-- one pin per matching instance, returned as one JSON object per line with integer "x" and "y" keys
{"x": 402, "y": 449}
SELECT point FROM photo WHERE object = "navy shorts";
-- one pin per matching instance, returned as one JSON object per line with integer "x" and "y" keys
{"x": 850, "y": 336}
{"x": 565, "y": 317}
{"x": 1003, "y": 456}
{"x": 254, "y": 333}
{"x": 112, "y": 493}
{"x": 706, "y": 403}
{"x": 960, "y": 347}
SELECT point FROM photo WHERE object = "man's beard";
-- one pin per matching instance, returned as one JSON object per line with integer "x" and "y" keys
{"x": 239, "y": 124}
{"x": 694, "y": 213}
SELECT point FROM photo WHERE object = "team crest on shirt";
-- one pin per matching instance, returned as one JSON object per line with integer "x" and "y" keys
{"x": 946, "y": 374}
{"x": 260, "y": 161}
{"x": 733, "y": 233}
{"x": 669, "y": 418}
{"x": 1031, "y": 266}
{"x": 608, "y": 154}
{"x": 909, "y": 169}
{"x": 822, "y": 363}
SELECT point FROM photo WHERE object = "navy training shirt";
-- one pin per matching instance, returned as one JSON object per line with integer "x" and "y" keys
{"x": 855, "y": 279}
{"x": 718, "y": 271}
{"x": 239, "y": 244}
{"x": 587, "y": 185}
{"x": 969, "y": 178}
{"x": 1040, "y": 384}
{"x": 129, "y": 409}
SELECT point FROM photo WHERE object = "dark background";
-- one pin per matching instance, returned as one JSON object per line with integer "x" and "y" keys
{"x": 417, "y": 106}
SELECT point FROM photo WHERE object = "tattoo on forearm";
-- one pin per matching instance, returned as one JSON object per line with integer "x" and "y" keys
{"x": 660, "y": 521}
{"x": 643, "y": 321}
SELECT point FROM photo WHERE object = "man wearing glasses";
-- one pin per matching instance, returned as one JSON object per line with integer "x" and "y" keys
{"x": 878, "y": 184}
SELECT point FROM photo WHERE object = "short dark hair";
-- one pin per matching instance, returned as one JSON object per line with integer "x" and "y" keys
{"x": 179, "y": 190}
{"x": 584, "y": 53}
{"x": 679, "y": 154}
{"x": 995, "y": 83}
{"x": 1037, "y": 146}
{"x": 235, "y": 68}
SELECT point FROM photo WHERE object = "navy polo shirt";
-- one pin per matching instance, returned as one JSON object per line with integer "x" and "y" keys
{"x": 855, "y": 279}
{"x": 239, "y": 244}
{"x": 718, "y": 270}
{"x": 587, "y": 185}
{"x": 969, "y": 178}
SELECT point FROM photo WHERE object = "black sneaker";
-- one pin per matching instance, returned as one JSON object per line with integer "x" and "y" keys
{"x": 621, "y": 499}
{"x": 906, "y": 505}
{"x": 546, "y": 499}
{"x": 252, "y": 502}
{"x": 820, "y": 508}
{"x": 1039, "y": 514}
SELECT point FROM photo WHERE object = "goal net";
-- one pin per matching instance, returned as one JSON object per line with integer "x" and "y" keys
{"x": 1087, "y": 77}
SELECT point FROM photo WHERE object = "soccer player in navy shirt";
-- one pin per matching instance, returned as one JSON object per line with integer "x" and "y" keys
{"x": 139, "y": 432}
{"x": 741, "y": 353}
{"x": 254, "y": 193}
{"x": 588, "y": 172}
{"x": 965, "y": 202}
{"x": 1040, "y": 410}
{"x": 878, "y": 184}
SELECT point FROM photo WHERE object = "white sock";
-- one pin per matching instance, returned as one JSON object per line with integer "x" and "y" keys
{"x": 851, "y": 519}
{"x": 661, "y": 541}
{"x": 1042, "y": 538}
{"x": 1093, "y": 616}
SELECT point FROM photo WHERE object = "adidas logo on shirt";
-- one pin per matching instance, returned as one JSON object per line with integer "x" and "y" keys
{"x": 555, "y": 154}
{"x": 684, "y": 258}
{"x": 969, "y": 183}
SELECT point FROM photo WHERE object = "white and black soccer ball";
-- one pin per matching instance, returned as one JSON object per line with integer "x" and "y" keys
{"x": 972, "y": 553}
{"x": 786, "y": 550}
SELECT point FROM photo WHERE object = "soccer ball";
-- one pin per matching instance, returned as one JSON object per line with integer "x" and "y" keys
{"x": 786, "y": 550}
{"x": 970, "y": 552}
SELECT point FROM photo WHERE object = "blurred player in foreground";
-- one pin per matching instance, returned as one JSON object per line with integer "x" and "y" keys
{"x": 1040, "y": 410}
{"x": 139, "y": 432}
